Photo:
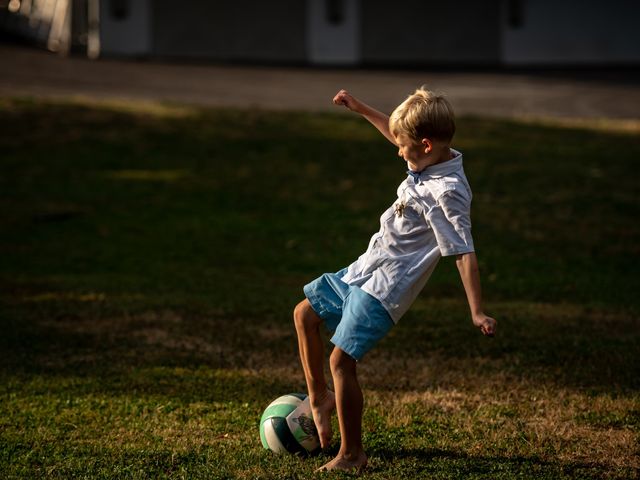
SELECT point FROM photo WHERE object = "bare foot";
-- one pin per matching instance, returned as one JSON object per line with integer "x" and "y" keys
{"x": 346, "y": 463}
{"x": 321, "y": 408}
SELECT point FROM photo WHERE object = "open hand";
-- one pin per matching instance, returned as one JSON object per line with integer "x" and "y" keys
{"x": 486, "y": 324}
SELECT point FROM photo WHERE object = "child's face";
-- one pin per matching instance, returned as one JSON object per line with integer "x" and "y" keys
{"x": 413, "y": 153}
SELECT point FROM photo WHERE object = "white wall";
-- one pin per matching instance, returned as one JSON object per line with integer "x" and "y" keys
{"x": 238, "y": 30}
{"x": 333, "y": 40}
{"x": 130, "y": 35}
{"x": 573, "y": 32}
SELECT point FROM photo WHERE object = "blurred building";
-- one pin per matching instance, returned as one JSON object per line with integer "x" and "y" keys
{"x": 338, "y": 32}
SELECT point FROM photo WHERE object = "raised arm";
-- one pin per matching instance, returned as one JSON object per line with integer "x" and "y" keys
{"x": 469, "y": 273}
{"x": 377, "y": 119}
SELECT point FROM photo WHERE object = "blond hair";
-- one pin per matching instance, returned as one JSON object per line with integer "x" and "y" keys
{"x": 424, "y": 114}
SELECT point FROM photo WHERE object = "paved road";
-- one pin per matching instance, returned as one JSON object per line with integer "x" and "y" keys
{"x": 26, "y": 71}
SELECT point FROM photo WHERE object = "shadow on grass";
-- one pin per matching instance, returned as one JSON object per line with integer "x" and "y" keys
{"x": 565, "y": 345}
{"x": 434, "y": 462}
{"x": 574, "y": 348}
{"x": 162, "y": 353}
{"x": 164, "y": 207}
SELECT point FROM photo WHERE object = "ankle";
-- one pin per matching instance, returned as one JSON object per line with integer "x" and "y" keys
{"x": 320, "y": 398}
{"x": 353, "y": 454}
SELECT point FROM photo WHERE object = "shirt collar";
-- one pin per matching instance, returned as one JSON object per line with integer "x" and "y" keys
{"x": 439, "y": 169}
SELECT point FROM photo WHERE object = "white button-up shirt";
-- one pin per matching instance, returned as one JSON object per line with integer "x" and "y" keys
{"x": 430, "y": 219}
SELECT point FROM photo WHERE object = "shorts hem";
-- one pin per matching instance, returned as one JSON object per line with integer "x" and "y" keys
{"x": 321, "y": 309}
{"x": 353, "y": 352}
{"x": 356, "y": 319}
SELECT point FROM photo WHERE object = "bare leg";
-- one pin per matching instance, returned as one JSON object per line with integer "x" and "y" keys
{"x": 349, "y": 403}
{"x": 322, "y": 399}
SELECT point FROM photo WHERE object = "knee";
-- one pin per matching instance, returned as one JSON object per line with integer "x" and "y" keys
{"x": 304, "y": 317}
{"x": 342, "y": 363}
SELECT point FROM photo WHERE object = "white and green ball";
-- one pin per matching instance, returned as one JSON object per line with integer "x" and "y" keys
{"x": 287, "y": 426}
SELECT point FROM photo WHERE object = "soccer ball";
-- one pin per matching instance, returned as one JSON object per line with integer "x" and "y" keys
{"x": 287, "y": 426}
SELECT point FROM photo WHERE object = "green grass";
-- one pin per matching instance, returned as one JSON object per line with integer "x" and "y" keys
{"x": 152, "y": 254}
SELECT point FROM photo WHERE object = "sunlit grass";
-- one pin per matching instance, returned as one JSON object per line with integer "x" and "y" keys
{"x": 151, "y": 256}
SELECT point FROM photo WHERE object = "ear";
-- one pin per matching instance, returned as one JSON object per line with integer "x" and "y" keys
{"x": 428, "y": 145}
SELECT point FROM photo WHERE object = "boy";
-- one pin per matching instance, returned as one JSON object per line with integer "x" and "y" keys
{"x": 362, "y": 302}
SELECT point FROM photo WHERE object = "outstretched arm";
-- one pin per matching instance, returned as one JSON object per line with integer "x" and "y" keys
{"x": 469, "y": 273}
{"x": 377, "y": 119}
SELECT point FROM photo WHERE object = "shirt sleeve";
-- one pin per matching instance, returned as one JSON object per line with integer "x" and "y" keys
{"x": 450, "y": 220}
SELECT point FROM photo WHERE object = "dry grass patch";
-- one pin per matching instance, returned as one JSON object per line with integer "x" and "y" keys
{"x": 517, "y": 418}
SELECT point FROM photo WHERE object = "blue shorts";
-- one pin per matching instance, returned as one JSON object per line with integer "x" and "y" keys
{"x": 358, "y": 320}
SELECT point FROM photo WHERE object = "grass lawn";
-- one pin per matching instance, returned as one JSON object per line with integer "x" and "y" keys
{"x": 151, "y": 256}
